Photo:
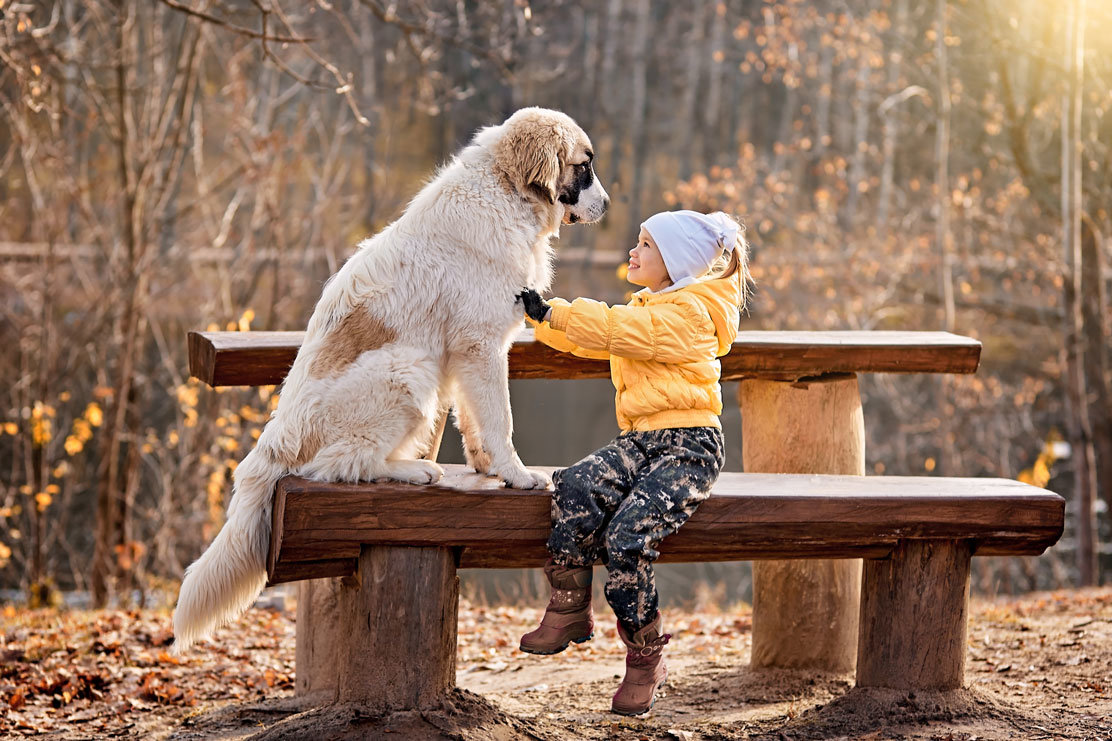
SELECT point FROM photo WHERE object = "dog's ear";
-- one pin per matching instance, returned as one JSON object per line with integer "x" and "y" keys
{"x": 529, "y": 156}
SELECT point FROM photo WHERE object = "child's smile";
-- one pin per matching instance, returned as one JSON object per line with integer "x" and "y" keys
{"x": 646, "y": 264}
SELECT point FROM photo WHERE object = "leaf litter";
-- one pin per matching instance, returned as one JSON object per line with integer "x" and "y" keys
{"x": 1037, "y": 666}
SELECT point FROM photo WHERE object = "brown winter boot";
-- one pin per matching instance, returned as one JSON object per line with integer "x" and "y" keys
{"x": 568, "y": 615}
{"x": 645, "y": 669}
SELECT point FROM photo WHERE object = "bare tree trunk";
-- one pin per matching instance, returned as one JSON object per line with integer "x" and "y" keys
{"x": 126, "y": 324}
{"x": 1078, "y": 406}
{"x": 39, "y": 581}
{"x": 37, "y": 588}
{"x": 589, "y": 111}
{"x": 784, "y": 128}
{"x": 942, "y": 227}
{"x": 369, "y": 102}
{"x": 1096, "y": 361}
{"x": 130, "y": 326}
{"x": 607, "y": 99}
{"x": 695, "y": 54}
{"x": 826, "y": 94}
{"x": 857, "y": 176}
{"x": 712, "y": 103}
{"x": 888, "y": 148}
{"x": 592, "y": 58}
{"x": 942, "y": 174}
{"x": 639, "y": 108}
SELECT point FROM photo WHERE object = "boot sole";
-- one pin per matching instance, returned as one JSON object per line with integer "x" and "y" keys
{"x": 632, "y": 713}
{"x": 558, "y": 650}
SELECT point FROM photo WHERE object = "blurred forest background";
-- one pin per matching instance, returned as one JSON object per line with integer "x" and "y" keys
{"x": 166, "y": 165}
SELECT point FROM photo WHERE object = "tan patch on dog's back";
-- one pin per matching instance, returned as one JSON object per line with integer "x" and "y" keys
{"x": 310, "y": 443}
{"x": 356, "y": 333}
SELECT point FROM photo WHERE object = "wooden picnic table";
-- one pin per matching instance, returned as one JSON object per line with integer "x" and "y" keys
{"x": 801, "y": 413}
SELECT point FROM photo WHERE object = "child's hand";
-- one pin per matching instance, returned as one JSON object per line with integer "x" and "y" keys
{"x": 536, "y": 308}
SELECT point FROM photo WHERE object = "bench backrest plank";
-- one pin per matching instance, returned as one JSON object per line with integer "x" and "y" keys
{"x": 263, "y": 358}
{"x": 749, "y": 516}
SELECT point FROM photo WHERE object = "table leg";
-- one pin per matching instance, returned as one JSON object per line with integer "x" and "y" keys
{"x": 805, "y": 612}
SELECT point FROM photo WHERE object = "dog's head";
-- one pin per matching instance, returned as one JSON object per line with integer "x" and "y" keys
{"x": 545, "y": 156}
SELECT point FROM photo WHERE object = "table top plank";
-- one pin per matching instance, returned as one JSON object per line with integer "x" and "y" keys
{"x": 263, "y": 358}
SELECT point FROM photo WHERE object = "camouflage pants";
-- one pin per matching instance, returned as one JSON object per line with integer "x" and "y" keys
{"x": 619, "y": 502}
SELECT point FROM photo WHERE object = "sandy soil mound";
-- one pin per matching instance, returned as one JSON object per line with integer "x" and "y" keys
{"x": 465, "y": 715}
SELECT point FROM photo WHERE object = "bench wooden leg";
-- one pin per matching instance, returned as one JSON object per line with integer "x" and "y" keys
{"x": 805, "y": 613}
{"x": 914, "y": 612}
{"x": 396, "y": 641}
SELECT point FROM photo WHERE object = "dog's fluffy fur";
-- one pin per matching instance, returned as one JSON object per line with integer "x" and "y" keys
{"x": 419, "y": 319}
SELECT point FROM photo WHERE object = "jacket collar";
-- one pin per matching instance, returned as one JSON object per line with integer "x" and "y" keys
{"x": 645, "y": 293}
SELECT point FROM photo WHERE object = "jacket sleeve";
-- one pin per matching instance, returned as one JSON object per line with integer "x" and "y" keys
{"x": 558, "y": 339}
{"x": 665, "y": 333}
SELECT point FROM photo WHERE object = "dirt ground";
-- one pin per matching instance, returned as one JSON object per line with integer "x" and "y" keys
{"x": 1039, "y": 667}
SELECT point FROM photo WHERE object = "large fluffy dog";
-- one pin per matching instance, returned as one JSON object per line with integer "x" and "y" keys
{"x": 419, "y": 319}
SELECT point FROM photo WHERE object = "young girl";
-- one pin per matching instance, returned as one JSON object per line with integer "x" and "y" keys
{"x": 619, "y": 502}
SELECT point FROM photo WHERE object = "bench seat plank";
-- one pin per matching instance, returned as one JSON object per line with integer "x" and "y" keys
{"x": 263, "y": 358}
{"x": 321, "y": 526}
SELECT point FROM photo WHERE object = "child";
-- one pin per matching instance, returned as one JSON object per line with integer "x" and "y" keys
{"x": 619, "y": 502}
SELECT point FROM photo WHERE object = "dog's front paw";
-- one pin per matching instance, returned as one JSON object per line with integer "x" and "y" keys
{"x": 413, "y": 472}
{"x": 523, "y": 478}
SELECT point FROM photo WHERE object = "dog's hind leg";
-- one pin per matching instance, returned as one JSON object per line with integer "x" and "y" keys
{"x": 364, "y": 457}
{"x": 379, "y": 411}
{"x": 359, "y": 459}
{"x": 424, "y": 437}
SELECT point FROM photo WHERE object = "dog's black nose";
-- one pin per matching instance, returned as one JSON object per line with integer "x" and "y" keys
{"x": 606, "y": 203}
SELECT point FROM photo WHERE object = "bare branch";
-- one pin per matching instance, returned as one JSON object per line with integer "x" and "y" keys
{"x": 411, "y": 29}
{"x": 217, "y": 21}
{"x": 343, "y": 82}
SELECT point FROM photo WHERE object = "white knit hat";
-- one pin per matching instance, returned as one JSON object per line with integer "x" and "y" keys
{"x": 689, "y": 241}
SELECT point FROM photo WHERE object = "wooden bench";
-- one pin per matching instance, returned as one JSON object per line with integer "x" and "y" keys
{"x": 384, "y": 634}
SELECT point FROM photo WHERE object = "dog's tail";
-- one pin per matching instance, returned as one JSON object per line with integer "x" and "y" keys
{"x": 231, "y": 573}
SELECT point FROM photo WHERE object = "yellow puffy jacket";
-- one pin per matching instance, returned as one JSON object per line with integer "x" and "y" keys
{"x": 663, "y": 349}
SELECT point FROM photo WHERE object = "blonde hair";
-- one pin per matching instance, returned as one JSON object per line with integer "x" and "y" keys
{"x": 734, "y": 262}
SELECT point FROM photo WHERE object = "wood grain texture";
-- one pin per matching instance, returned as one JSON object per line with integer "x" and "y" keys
{"x": 914, "y": 614}
{"x": 264, "y": 358}
{"x": 748, "y": 516}
{"x": 298, "y": 570}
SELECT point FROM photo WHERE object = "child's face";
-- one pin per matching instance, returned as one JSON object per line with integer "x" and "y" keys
{"x": 646, "y": 265}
